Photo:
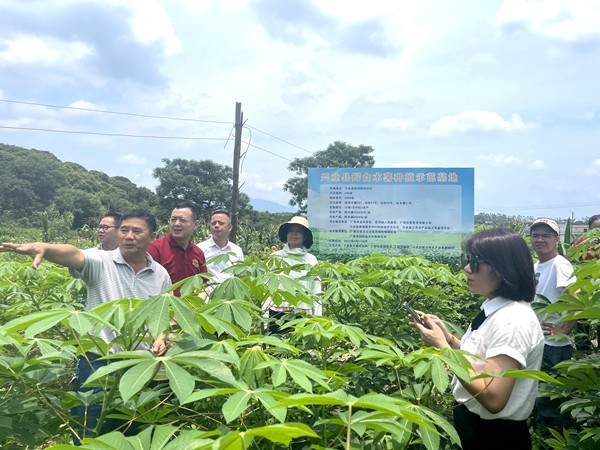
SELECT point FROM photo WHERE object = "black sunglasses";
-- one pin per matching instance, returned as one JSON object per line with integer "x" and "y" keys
{"x": 473, "y": 261}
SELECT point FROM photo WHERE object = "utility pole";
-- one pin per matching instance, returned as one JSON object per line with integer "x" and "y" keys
{"x": 237, "y": 149}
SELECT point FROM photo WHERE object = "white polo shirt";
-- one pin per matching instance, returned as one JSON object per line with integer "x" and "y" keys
{"x": 512, "y": 329}
{"x": 109, "y": 277}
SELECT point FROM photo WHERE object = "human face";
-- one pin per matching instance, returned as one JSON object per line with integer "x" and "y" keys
{"x": 134, "y": 238}
{"x": 595, "y": 224}
{"x": 107, "y": 233}
{"x": 220, "y": 226}
{"x": 295, "y": 236}
{"x": 483, "y": 282}
{"x": 544, "y": 241}
{"x": 182, "y": 225}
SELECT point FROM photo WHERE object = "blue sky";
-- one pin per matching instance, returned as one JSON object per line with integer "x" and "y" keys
{"x": 507, "y": 87}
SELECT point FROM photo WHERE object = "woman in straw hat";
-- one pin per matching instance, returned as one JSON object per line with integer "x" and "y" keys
{"x": 298, "y": 238}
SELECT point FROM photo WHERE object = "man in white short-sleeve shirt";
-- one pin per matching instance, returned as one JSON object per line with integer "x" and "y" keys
{"x": 553, "y": 275}
{"x": 219, "y": 244}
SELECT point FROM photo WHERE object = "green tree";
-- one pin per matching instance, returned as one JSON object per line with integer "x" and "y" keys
{"x": 33, "y": 180}
{"x": 28, "y": 179}
{"x": 338, "y": 154}
{"x": 206, "y": 183}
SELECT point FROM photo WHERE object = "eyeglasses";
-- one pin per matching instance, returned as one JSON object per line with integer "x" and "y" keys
{"x": 105, "y": 227}
{"x": 542, "y": 235}
{"x": 473, "y": 261}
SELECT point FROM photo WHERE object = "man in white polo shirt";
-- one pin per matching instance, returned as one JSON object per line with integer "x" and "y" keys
{"x": 219, "y": 244}
{"x": 126, "y": 272}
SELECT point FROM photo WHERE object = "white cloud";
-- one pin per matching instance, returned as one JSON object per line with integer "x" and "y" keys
{"x": 564, "y": 20}
{"x": 197, "y": 6}
{"x": 20, "y": 122}
{"x": 596, "y": 163}
{"x": 255, "y": 182}
{"x": 483, "y": 58}
{"x": 151, "y": 24}
{"x": 83, "y": 105}
{"x": 538, "y": 164}
{"x": 131, "y": 158}
{"x": 396, "y": 124}
{"x": 26, "y": 49}
{"x": 487, "y": 121}
{"x": 499, "y": 159}
{"x": 411, "y": 164}
{"x": 385, "y": 97}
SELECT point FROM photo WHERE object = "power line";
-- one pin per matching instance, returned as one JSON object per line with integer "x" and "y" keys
{"x": 113, "y": 112}
{"x": 46, "y": 105}
{"x": 145, "y": 136}
{"x": 282, "y": 140}
{"x": 266, "y": 151}
{"x": 96, "y": 133}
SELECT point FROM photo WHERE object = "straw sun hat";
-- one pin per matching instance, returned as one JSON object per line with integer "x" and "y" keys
{"x": 297, "y": 220}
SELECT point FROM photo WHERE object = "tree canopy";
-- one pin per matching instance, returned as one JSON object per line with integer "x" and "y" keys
{"x": 205, "y": 183}
{"x": 338, "y": 154}
{"x": 33, "y": 180}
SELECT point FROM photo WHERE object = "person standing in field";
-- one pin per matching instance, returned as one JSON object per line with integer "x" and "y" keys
{"x": 126, "y": 272}
{"x": 107, "y": 231}
{"x": 492, "y": 413}
{"x": 553, "y": 275}
{"x": 175, "y": 251}
{"x": 219, "y": 244}
{"x": 298, "y": 239}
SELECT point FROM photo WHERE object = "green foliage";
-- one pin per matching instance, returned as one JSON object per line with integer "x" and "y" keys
{"x": 205, "y": 183}
{"x": 32, "y": 180}
{"x": 494, "y": 220}
{"x": 356, "y": 377}
{"x": 223, "y": 376}
{"x": 337, "y": 154}
{"x": 579, "y": 377}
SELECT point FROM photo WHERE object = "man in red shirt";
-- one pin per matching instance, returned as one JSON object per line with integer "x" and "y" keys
{"x": 175, "y": 251}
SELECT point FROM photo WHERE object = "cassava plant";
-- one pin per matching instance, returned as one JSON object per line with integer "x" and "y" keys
{"x": 351, "y": 379}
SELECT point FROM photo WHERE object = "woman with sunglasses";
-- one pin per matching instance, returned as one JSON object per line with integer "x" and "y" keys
{"x": 492, "y": 412}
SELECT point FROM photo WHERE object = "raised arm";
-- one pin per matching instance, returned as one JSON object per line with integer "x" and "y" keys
{"x": 63, "y": 254}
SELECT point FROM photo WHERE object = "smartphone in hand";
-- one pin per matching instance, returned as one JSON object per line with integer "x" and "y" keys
{"x": 414, "y": 314}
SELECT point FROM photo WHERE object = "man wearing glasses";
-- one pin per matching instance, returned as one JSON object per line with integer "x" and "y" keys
{"x": 107, "y": 231}
{"x": 219, "y": 244}
{"x": 175, "y": 251}
{"x": 553, "y": 275}
{"x": 108, "y": 234}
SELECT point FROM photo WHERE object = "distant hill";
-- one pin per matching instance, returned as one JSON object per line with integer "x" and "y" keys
{"x": 269, "y": 206}
{"x": 33, "y": 180}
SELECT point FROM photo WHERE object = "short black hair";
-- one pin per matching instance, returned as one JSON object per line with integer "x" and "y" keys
{"x": 141, "y": 214}
{"x": 592, "y": 220}
{"x": 507, "y": 253}
{"x": 193, "y": 207}
{"x": 116, "y": 217}
{"x": 221, "y": 211}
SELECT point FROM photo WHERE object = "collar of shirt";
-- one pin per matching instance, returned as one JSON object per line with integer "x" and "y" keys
{"x": 117, "y": 257}
{"x": 214, "y": 244}
{"x": 174, "y": 243}
{"x": 490, "y": 306}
